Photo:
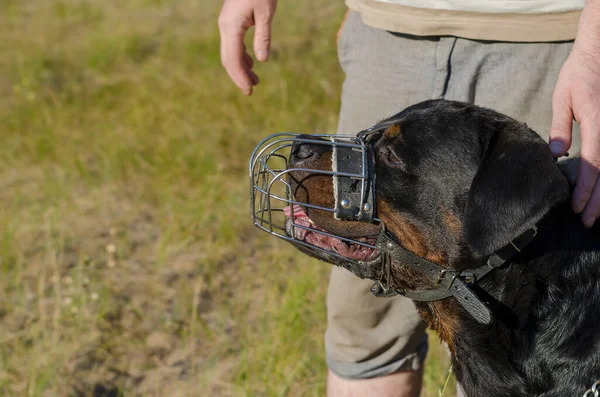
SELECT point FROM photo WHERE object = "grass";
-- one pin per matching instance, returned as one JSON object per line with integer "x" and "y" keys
{"x": 128, "y": 263}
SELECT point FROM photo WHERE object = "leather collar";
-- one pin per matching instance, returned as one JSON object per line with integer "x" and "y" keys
{"x": 448, "y": 282}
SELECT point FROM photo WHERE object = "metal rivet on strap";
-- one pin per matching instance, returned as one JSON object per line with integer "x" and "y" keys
{"x": 345, "y": 203}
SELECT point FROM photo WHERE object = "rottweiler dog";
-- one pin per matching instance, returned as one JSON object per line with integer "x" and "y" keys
{"x": 456, "y": 183}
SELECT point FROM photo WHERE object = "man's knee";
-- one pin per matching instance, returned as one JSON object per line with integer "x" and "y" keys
{"x": 369, "y": 337}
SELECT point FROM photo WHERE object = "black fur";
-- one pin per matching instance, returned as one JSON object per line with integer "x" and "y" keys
{"x": 498, "y": 178}
{"x": 501, "y": 177}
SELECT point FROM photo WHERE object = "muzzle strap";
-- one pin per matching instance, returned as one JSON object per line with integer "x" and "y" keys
{"x": 354, "y": 197}
{"x": 446, "y": 282}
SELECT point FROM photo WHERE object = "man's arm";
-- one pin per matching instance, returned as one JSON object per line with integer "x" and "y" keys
{"x": 577, "y": 96}
{"x": 236, "y": 17}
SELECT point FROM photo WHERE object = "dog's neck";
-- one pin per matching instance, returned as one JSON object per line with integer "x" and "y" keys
{"x": 540, "y": 301}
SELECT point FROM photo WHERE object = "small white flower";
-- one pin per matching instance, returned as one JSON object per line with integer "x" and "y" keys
{"x": 111, "y": 248}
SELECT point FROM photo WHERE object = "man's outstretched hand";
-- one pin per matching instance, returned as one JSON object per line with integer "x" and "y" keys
{"x": 236, "y": 17}
{"x": 577, "y": 96}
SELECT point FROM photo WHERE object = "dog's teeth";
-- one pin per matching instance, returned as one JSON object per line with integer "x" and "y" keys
{"x": 311, "y": 221}
{"x": 335, "y": 249}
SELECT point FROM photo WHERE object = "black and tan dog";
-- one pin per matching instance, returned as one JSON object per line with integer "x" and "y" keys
{"x": 456, "y": 183}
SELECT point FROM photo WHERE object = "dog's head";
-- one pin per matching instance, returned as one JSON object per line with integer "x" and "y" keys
{"x": 454, "y": 182}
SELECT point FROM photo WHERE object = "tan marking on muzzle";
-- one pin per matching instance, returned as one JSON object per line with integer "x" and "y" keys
{"x": 320, "y": 186}
{"x": 408, "y": 234}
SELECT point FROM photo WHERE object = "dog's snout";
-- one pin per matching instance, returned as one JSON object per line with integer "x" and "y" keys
{"x": 308, "y": 147}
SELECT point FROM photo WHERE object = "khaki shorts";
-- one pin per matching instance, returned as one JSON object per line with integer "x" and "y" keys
{"x": 386, "y": 72}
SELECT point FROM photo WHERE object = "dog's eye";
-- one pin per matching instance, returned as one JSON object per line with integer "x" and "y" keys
{"x": 391, "y": 158}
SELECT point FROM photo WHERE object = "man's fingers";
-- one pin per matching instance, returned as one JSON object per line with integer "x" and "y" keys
{"x": 588, "y": 172}
{"x": 262, "y": 33}
{"x": 562, "y": 122}
{"x": 248, "y": 63}
{"x": 232, "y": 57}
{"x": 253, "y": 77}
{"x": 236, "y": 17}
{"x": 591, "y": 212}
{"x": 248, "y": 60}
{"x": 232, "y": 28}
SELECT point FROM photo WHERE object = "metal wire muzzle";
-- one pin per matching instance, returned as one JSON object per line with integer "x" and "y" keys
{"x": 271, "y": 190}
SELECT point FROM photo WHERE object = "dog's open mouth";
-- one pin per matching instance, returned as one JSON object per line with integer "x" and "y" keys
{"x": 312, "y": 234}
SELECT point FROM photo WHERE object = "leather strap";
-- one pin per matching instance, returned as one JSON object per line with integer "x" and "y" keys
{"x": 448, "y": 282}
{"x": 471, "y": 302}
{"x": 354, "y": 197}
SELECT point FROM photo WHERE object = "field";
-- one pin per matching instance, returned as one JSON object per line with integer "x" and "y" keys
{"x": 129, "y": 265}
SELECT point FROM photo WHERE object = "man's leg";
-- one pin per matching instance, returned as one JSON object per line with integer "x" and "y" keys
{"x": 373, "y": 344}
{"x": 376, "y": 346}
{"x": 402, "y": 384}
{"x": 516, "y": 79}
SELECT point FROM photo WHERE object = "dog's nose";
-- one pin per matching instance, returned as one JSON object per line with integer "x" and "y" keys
{"x": 308, "y": 148}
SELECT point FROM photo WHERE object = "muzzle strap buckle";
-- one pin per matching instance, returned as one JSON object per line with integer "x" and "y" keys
{"x": 354, "y": 197}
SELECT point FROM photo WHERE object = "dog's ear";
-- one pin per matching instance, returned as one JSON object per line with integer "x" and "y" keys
{"x": 517, "y": 182}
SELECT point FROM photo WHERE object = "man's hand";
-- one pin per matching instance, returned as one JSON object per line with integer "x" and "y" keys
{"x": 236, "y": 17}
{"x": 577, "y": 96}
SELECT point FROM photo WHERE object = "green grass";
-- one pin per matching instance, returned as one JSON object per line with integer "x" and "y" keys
{"x": 129, "y": 266}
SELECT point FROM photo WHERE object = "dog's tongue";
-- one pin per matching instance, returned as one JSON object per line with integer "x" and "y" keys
{"x": 310, "y": 233}
{"x": 297, "y": 210}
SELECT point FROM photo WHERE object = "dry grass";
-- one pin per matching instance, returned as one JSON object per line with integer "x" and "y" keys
{"x": 128, "y": 263}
